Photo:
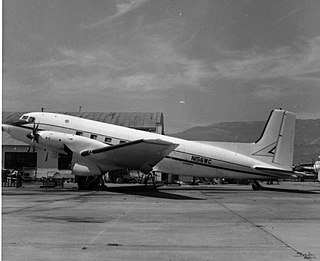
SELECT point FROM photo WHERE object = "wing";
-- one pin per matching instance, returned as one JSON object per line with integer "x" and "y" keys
{"x": 139, "y": 155}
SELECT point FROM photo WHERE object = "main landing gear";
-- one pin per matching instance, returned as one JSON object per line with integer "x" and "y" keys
{"x": 146, "y": 178}
{"x": 256, "y": 185}
{"x": 89, "y": 182}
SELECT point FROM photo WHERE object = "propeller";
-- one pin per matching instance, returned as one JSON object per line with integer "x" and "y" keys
{"x": 34, "y": 137}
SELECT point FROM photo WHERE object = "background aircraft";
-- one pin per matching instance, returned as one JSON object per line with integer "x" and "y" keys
{"x": 312, "y": 168}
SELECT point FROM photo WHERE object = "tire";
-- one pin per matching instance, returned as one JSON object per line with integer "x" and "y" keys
{"x": 89, "y": 182}
{"x": 256, "y": 186}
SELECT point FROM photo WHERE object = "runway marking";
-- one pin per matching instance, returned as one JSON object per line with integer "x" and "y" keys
{"x": 109, "y": 225}
{"x": 308, "y": 256}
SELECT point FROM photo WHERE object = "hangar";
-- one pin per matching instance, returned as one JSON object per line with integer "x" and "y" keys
{"x": 39, "y": 163}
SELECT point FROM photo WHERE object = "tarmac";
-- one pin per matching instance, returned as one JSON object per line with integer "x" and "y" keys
{"x": 206, "y": 222}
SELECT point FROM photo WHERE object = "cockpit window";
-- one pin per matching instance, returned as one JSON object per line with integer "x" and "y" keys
{"x": 27, "y": 119}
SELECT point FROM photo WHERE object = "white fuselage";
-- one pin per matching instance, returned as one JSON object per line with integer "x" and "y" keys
{"x": 189, "y": 158}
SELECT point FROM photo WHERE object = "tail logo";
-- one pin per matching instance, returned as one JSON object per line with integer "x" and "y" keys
{"x": 273, "y": 150}
{"x": 268, "y": 151}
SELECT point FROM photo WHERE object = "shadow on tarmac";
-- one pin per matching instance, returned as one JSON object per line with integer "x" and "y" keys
{"x": 162, "y": 192}
{"x": 148, "y": 192}
{"x": 291, "y": 190}
{"x": 212, "y": 189}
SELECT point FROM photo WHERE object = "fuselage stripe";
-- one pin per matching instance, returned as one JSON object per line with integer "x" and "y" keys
{"x": 218, "y": 167}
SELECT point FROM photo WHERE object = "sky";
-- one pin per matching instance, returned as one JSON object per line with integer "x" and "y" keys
{"x": 199, "y": 62}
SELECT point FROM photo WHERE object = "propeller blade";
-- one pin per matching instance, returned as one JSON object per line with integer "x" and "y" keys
{"x": 31, "y": 146}
{"x": 34, "y": 137}
{"x": 33, "y": 129}
{"x": 35, "y": 132}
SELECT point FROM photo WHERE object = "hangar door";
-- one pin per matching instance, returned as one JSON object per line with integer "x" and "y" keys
{"x": 17, "y": 160}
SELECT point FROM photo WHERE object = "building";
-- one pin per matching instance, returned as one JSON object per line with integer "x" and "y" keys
{"x": 18, "y": 155}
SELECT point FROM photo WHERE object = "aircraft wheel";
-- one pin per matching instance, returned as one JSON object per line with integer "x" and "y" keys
{"x": 89, "y": 182}
{"x": 256, "y": 186}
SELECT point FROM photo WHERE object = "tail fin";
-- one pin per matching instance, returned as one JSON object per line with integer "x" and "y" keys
{"x": 277, "y": 141}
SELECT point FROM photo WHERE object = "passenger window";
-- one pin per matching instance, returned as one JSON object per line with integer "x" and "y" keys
{"x": 93, "y": 136}
{"x": 122, "y": 141}
{"x": 107, "y": 139}
{"x": 79, "y": 133}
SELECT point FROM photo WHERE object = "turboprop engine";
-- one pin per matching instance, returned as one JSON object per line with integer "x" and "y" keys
{"x": 316, "y": 168}
{"x": 88, "y": 175}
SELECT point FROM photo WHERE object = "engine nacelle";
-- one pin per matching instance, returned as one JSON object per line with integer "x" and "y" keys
{"x": 58, "y": 140}
{"x": 86, "y": 169}
{"x": 316, "y": 168}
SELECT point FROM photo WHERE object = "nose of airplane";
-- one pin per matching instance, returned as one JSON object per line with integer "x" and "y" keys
{"x": 6, "y": 128}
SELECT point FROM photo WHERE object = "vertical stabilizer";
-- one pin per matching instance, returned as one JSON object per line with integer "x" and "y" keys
{"x": 277, "y": 141}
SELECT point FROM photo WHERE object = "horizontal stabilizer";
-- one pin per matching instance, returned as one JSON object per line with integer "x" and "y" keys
{"x": 138, "y": 155}
{"x": 279, "y": 173}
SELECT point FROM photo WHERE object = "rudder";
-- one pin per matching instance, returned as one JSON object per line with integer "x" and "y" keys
{"x": 277, "y": 141}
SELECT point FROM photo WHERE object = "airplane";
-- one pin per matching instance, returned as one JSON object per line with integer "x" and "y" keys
{"x": 270, "y": 157}
{"x": 313, "y": 167}
{"x": 316, "y": 168}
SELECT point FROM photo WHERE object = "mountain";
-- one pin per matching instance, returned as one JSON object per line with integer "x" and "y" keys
{"x": 307, "y": 136}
